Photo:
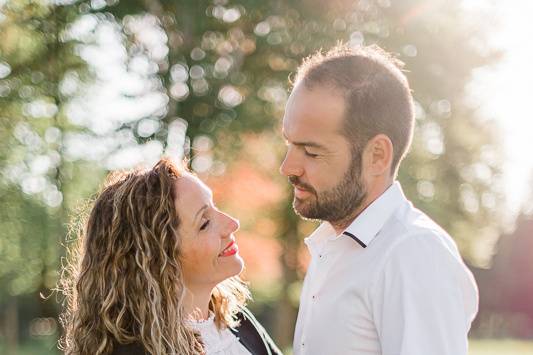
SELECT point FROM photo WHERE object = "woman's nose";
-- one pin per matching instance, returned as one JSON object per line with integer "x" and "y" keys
{"x": 232, "y": 224}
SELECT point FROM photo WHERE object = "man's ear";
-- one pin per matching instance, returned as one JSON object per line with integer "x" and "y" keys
{"x": 378, "y": 155}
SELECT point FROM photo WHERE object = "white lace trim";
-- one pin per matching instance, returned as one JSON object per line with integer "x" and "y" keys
{"x": 217, "y": 342}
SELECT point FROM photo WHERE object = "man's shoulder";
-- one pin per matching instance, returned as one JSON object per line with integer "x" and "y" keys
{"x": 424, "y": 253}
{"x": 415, "y": 232}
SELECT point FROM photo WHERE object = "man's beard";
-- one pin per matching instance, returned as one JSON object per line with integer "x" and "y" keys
{"x": 337, "y": 204}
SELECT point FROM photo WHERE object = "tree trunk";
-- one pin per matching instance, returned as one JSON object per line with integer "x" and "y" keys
{"x": 11, "y": 326}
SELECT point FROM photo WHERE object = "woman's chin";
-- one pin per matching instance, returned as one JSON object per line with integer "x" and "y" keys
{"x": 232, "y": 265}
{"x": 239, "y": 264}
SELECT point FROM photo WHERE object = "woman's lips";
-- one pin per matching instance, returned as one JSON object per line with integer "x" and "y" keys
{"x": 231, "y": 249}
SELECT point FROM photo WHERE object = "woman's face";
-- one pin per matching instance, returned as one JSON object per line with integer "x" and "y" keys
{"x": 209, "y": 253}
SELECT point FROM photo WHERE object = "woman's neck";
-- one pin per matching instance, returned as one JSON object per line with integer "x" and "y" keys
{"x": 196, "y": 304}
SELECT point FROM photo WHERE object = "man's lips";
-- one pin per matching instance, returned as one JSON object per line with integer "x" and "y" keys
{"x": 231, "y": 249}
{"x": 300, "y": 192}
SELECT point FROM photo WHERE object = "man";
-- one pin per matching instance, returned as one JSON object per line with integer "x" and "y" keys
{"x": 383, "y": 278}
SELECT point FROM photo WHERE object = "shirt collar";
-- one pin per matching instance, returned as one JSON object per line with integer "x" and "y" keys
{"x": 371, "y": 220}
{"x": 365, "y": 226}
{"x": 324, "y": 232}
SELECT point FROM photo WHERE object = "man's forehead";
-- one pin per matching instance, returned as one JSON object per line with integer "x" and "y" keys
{"x": 312, "y": 113}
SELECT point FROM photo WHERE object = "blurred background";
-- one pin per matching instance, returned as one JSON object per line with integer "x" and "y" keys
{"x": 87, "y": 87}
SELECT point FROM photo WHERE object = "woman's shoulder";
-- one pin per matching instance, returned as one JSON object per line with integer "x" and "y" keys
{"x": 253, "y": 335}
{"x": 250, "y": 332}
{"x": 128, "y": 349}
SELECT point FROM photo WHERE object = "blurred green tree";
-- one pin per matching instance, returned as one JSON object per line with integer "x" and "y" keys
{"x": 223, "y": 66}
{"x": 215, "y": 70}
{"x": 39, "y": 68}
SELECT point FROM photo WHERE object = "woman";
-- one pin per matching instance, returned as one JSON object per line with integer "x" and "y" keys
{"x": 155, "y": 272}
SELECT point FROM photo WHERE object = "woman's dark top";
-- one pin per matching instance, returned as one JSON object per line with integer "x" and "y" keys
{"x": 250, "y": 332}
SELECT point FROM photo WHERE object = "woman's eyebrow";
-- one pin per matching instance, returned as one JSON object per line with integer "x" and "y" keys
{"x": 204, "y": 207}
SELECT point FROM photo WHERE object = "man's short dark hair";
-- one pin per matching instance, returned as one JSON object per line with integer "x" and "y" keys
{"x": 377, "y": 95}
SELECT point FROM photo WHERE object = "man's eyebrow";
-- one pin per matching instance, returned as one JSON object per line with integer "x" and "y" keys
{"x": 309, "y": 144}
{"x": 304, "y": 143}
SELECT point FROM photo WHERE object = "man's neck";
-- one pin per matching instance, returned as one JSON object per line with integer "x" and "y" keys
{"x": 372, "y": 194}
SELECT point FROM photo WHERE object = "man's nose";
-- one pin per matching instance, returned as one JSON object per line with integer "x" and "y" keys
{"x": 290, "y": 165}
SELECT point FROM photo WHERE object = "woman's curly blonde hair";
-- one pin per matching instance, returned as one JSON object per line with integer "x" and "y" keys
{"x": 122, "y": 279}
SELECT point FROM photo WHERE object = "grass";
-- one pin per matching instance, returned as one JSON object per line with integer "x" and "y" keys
{"x": 477, "y": 347}
{"x": 42, "y": 346}
{"x": 500, "y": 347}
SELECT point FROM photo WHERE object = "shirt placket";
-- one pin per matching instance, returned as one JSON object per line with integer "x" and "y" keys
{"x": 319, "y": 276}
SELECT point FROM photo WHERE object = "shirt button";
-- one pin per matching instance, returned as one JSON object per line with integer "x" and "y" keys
{"x": 314, "y": 297}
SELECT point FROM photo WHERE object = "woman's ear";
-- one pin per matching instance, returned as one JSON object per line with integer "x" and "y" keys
{"x": 378, "y": 155}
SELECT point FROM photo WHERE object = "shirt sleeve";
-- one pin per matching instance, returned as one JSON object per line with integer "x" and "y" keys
{"x": 424, "y": 299}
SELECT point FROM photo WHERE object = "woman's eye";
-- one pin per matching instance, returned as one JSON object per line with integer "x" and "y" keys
{"x": 310, "y": 154}
{"x": 204, "y": 225}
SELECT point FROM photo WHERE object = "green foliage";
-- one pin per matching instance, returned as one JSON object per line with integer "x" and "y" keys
{"x": 38, "y": 183}
{"x": 221, "y": 67}
{"x": 252, "y": 47}
{"x": 35, "y": 58}
{"x": 500, "y": 346}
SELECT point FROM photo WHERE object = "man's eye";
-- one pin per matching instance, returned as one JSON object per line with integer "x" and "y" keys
{"x": 311, "y": 155}
{"x": 204, "y": 225}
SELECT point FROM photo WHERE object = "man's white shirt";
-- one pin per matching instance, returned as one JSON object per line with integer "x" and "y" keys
{"x": 393, "y": 283}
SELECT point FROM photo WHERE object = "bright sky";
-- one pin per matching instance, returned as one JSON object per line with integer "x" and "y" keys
{"x": 505, "y": 91}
